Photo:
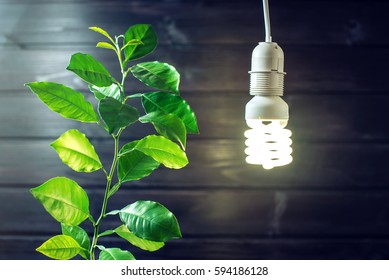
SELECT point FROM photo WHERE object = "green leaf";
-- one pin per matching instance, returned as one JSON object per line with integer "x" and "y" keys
{"x": 133, "y": 164}
{"x": 113, "y": 213}
{"x": 107, "y": 232}
{"x": 168, "y": 125}
{"x": 60, "y": 247}
{"x": 116, "y": 114}
{"x": 80, "y": 235}
{"x": 105, "y": 45}
{"x": 65, "y": 101}
{"x": 128, "y": 147}
{"x": 171, "y": 104}
{"x": 77, "y": 152}
{"x": 64, "y": 199}
{"x": 141, "y": 32}
{"x": 131, "y": 43}
{"x": 103, "y": 92}
{"x": 143, "y": 244}
{"x": 90, "y": 70}
{"x": 109, "y": 254}
{"x": 102, "y": 32}
{"x": 157, "y": 74}
{"x": 136, "y": 95}
{"x": 163, "y": 150}
{"x": 151, "y": 221}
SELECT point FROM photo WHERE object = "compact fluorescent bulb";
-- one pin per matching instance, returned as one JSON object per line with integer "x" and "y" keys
{"x": 268, "y": 142}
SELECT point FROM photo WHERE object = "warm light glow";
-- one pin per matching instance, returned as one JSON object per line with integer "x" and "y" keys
{"x": 268, "y": 143}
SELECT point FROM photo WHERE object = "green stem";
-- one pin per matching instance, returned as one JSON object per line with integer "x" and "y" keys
{"x": 105, "y": 201}
{"x": 109, "y": 176}
{"x": 136, "y": 95}
{"x": 124, "y": 73}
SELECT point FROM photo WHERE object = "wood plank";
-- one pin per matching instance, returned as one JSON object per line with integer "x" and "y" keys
{"x": 195, "y": 22}
{"x": 23, "y": 248}
{"x": 226, "y": 213}
{"x": 332, "y": 118}
{"x": 211, "y": 69}
{"x": 267, "y": 249}
{"x": 214, "y": 163}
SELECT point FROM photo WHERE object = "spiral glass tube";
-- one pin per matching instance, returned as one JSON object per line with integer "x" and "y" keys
{"x": 268, "y": 143}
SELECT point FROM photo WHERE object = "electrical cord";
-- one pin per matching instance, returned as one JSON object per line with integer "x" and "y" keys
{"x": 266, "y": 15}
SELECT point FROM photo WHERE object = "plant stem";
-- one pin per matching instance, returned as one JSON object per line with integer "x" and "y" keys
{"x": 124, "y": 73}
{"x": 105, "y": 201}
{"x": 113, "y": 166}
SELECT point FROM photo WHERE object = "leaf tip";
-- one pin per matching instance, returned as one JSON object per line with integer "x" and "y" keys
{"x": 40, "y": 249}
{"x": 32, "y": 191}
{"x": 31, "y": 84}
{"x": 94, "y": 28}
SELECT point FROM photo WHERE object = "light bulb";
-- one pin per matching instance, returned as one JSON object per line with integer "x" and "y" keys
{"x": 268, "y": 143}
{"x": 267, "y": 114}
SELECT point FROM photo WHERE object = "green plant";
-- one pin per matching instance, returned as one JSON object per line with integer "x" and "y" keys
{"x": 144, "y": 224}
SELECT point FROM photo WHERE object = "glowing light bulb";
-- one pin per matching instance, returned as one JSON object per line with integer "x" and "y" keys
{"x": 268, "y": 143}
{"x": 267, "y": 114}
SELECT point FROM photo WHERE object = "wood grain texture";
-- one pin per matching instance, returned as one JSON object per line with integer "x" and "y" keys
{"x": 228, "y": 213}
{"x": 196, "y": 22}
{"x": 220, "y": 117}
{"x": 220, "y": 163}
{"x": 309, "y": 69}
{"x": 18, "y": 247}
{"x": 330, "y": 203}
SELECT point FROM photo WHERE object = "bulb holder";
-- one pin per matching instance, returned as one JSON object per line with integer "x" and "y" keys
{"x": 267, "y": 70}
{"x": 267, "y": 84}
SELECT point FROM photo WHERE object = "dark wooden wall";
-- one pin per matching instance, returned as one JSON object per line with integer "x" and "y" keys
{"x": 332, "y": 202}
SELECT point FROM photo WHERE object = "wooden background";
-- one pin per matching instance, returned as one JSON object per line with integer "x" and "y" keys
{"x": 332, "y": 202}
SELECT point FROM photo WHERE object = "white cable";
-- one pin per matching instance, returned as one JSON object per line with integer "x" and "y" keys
{"x": 266, "y": 15}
